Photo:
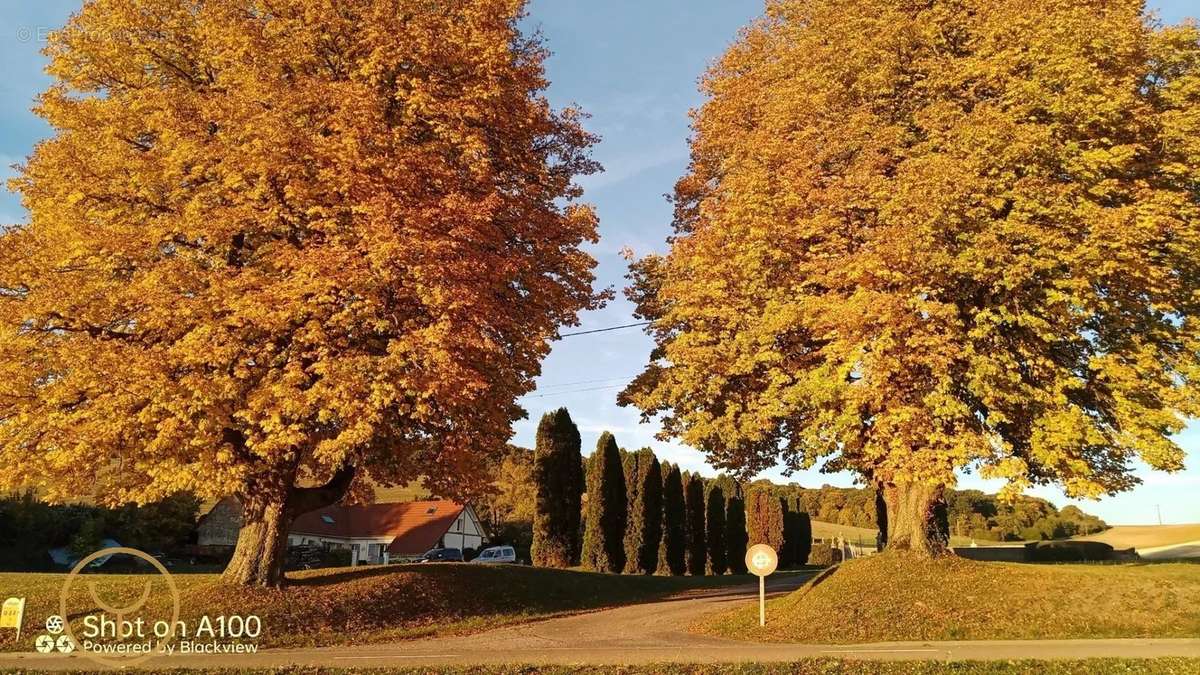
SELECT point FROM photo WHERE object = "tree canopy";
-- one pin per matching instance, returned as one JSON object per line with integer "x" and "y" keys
{"x": 275, "y": 244}
{"x": 920, "y": 238}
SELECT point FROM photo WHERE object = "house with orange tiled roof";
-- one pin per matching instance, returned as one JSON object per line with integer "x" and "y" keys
{"x": 375, "y": 532}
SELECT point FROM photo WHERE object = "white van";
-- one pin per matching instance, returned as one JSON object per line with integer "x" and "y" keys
{"x": 496, "y": 555}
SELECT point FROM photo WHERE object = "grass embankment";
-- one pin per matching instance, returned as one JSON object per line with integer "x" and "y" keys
{"x": 363, "y": 605}
{"x": 806, "y": 667}
{"x": 895, "y": 597}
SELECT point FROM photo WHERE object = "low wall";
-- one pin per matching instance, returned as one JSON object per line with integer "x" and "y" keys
{"x": 993, "y": 553}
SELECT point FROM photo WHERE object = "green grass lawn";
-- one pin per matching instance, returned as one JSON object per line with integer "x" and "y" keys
{"x": 363, "y": 605}
{"x": 806, "y": 667}
{"x": 895, "y": 597}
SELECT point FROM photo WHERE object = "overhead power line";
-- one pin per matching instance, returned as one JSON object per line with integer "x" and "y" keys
{"x": 605, "y": 330}
{"x": 575, "y": 391}
{"x": 607, "y": 380}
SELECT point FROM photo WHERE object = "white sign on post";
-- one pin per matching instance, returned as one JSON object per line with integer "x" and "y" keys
{"x": 761, "y": 560}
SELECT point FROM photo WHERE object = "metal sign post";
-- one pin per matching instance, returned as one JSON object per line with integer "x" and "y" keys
{"x": 761, "y": 560}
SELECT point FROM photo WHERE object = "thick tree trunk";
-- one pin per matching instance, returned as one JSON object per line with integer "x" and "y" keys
{"x": 916, "y": 519}
{"x": 261, "y": 548}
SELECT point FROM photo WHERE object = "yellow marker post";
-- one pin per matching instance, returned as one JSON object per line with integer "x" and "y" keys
{"x": 12, "y": 614}
{"x": 761, "y": 560}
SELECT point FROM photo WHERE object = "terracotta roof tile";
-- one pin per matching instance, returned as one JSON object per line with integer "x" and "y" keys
{"x": 415, "y": 526}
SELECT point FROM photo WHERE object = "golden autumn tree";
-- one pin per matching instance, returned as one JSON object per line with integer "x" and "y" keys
{"x": 921, "y": 238}
{"x": 276, "y": 247}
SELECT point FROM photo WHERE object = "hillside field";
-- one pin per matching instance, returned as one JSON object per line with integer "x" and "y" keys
{"x": 897, "y": 597}
{"x": 1146, "y": 536}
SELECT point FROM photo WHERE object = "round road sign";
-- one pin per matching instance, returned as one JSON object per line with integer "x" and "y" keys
{"x": 761, "y": 560}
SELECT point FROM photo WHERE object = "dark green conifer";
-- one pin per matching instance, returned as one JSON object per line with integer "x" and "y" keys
{"x": 697, "y": 552}
{"x": 559, "y": 481}
{"x": 671, "y": 553}
{"x": 604, "y": 531}
{"x": 714, "y": 530}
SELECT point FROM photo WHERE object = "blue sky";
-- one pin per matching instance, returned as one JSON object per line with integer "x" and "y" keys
{"x": 632, "y": 64}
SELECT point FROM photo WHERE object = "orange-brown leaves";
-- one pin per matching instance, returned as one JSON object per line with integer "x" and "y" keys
{"x": 920, "y": 237}
{"x": 286, "y": 234}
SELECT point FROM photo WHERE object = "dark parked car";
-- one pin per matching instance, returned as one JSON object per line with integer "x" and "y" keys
{"x": 442, "y": 555}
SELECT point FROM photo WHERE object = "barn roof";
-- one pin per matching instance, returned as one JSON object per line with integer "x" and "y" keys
{"x": 414, "y": 526}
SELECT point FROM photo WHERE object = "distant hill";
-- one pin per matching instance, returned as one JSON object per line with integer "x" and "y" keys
{"x": 1146, "y": 536}
{"x": 412, "y": 492}
{"x": 855, "y": 535}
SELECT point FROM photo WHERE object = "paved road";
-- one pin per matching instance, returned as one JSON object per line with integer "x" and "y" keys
{"x": 636, "y": 634}
{"x": 1187, "y": 549}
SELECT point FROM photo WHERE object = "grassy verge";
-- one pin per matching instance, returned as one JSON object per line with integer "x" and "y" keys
{"x": 359, "y": 606}
{"x": 895, "y": 597}
{"x": 806, "y": 667}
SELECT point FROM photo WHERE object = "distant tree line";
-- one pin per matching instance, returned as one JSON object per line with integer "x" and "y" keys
{"x": 628, "y": 512}
{"x": 30, "y": 528}
{"x": 970, "y": 513}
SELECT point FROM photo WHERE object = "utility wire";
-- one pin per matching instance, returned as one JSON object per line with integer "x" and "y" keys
{"x": 605, "y": 330}
{"x": 574, "y": 391}
{"x": 606, "y": 380}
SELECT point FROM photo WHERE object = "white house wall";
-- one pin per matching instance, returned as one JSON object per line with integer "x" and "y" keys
{"x": 362, "y": 543}
{"x": 465, "y": 532}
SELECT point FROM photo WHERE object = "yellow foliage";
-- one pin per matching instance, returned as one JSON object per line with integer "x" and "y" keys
{"x": 271, "y": 238}
{"x": 918, "y": 238}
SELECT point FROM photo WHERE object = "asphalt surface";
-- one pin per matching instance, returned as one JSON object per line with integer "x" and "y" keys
{"x": 1188, "y": 549}
{"x": 655, "y": 632}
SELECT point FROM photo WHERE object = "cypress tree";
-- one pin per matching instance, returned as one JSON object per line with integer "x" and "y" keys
{"x": 643, "y": 528}
{"x": 671, "y": 554}
{"x": 764, "y": 519}
{"x": 693, "y": 496}
{"x": 714, "y": 530}
{"x": 735, "y": 535}
{"x": 804, "y": 547}
{"x": 559, "y": 482}
{"x": 604, "y": 534}
{"x": 791, "y": 533}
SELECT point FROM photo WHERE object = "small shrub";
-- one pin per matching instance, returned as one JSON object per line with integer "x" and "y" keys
{"x": 821, "y": 555}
